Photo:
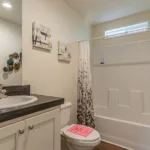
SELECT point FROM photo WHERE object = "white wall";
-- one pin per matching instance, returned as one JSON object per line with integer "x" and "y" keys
{"x": 10, "y": 42}
{"x": 122, "y": 92}
{"x": 41, "y": 69}
{"x": 98, "y": 29}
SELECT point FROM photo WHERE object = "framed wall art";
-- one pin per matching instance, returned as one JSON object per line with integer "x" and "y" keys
{"x": 41, "y": 37}
{"x": 64, "y": 52}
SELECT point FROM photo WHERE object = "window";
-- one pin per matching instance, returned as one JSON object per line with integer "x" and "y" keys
{"x": 127, "y": 30}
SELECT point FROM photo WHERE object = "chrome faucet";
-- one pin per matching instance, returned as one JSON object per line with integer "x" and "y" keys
{"x": 2, "y": 92}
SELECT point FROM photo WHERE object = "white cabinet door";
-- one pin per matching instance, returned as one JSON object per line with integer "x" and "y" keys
{"x": 43, "y": 131}
{"x": 12, "y": 137}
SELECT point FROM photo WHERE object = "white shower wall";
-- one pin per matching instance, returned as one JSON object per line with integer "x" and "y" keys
{"x": 122, "y": 104}
{"x": 123, "y": 92}
{"x": 122, "y": 97}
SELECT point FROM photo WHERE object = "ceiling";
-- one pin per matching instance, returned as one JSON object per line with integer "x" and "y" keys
{"x": 98, "y": 11}
{"x": 14, "y": 14}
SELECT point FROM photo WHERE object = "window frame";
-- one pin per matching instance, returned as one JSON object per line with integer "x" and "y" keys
{"x": 127, "y": 30}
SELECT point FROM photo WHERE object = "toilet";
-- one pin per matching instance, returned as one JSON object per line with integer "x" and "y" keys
{"x": 73, "y": 141}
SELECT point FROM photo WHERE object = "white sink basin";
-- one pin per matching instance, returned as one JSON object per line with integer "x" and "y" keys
{"x": 15, "y": 101}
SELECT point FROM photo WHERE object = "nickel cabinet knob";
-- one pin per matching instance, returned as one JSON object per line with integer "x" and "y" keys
{"x": 21, "y": 131}
{"x": 31, "y": 127}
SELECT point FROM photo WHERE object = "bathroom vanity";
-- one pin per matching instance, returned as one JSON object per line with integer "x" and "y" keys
{"x": 35, "y": 126}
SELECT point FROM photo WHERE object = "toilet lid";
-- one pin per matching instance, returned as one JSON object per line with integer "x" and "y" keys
{"x": 93, "y": 136}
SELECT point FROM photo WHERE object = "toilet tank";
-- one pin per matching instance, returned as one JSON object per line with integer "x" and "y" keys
{"x": 65, "y": 114}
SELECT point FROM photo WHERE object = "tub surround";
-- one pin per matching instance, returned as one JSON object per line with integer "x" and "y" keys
{"x": 44, "y": 102}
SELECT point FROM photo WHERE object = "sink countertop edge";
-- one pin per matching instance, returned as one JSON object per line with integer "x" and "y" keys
{"x": 43, "y": 102}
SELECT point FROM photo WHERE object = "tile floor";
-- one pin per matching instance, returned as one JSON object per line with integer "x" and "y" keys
{"x": 106, "y": 146}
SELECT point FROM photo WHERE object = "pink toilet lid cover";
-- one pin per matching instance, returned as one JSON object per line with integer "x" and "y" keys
{"x": 80, "y": 130}
{"x": 84, "y": 136}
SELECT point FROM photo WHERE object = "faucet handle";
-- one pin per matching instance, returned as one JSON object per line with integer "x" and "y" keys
{"x": 3, "y": 92}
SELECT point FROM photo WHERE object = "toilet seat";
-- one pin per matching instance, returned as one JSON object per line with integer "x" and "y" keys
{"x": 92, "y": 138}
{"x": 86, "y": 144}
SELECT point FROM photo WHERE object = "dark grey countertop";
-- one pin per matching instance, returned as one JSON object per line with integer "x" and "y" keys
{"x": 44, "y": 102}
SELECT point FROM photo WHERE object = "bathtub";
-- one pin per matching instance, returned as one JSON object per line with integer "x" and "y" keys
{"x": 126, "y": 134}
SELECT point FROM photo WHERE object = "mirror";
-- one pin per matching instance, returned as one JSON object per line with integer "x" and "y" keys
{"x": 10, "y": 42}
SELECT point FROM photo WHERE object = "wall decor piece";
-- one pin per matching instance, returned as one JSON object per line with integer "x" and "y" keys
{"x": 10, "y": 68}
{"x": 16, "y": 66}
{"x": 10, "y": 62}
{"x": 64, "y": 52}
{"x": 15, "y": 55}
{"x": 13, "y": 63}
{"x": 20, "y": 60}
{"x": 5, "y": 69}
{"x": 41, "y": 37}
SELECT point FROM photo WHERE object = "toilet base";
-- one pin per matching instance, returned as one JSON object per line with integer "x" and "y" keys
{"x": 65, "y": 145}
{"x": 75, "y": 147}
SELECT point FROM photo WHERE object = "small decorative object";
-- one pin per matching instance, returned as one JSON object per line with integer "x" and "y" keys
{"x": 5, "y": 69}
{"x": 10, "y": 62}
{"x": 13, "y": 63}
{"x": 20, "y": 60}
{"x": 102, "y": 61}
{"x": 15, "y": 55}
{"x": 41, "y": 37}
{"x": 10, "y": 68}
{"x": 16, "y": 66}
{"x": 64, "y": 52}
{"x": 10, "y": 56}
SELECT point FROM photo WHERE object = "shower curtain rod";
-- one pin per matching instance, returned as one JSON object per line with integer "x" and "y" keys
{"x": 105, "y": 37}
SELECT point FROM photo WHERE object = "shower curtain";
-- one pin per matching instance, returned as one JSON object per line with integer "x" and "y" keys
{"x": 85, "y": 110}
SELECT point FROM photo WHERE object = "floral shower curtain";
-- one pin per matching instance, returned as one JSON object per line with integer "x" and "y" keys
{"x": 85, "y": 110}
